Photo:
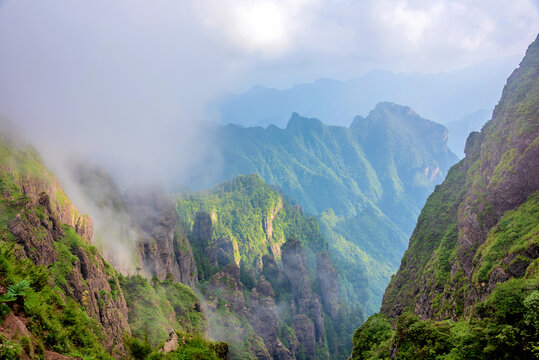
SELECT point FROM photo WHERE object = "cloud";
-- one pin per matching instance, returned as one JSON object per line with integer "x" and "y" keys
{"x": 302, "y": 40}
{"x": 127, "y": 82}
{"x": 259, "y": 28}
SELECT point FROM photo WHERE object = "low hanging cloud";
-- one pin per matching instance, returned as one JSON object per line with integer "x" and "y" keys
{"x": 127, "y": 82}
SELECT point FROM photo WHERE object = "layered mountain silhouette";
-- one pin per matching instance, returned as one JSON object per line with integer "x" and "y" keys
{"x": 366, "y": 182}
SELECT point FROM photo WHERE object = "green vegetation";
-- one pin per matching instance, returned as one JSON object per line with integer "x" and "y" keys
{"x": 366, "y": 182}
{"x": 471, "y": 273}
{"x": 259, "y": 220}
{"x": 15, "y": 291}
{"x": 196, "y": 347}
{"x": 189, "y": 347}
{"x": 241, "y": 210}
{"x": 47, "y": 299}
{"x": 504, "y": 326}
{"x": 20, "y": 161}
{"x": 433, "y": 243}
{"x": 516, "y": 234}
{"x": 55, "y": 320}
{"x": 9, "y": 350}
{"x": 372, "y": 340}
{"x": 156, "y": 309}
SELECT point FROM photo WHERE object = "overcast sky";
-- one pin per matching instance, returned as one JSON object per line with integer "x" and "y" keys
{"x": 115, "y": 76}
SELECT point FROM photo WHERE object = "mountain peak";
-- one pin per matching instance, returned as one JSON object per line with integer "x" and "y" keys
{"x": 394, "y": 108}
{"x": 298, "y": 122}
{"x": 399, "y": 118}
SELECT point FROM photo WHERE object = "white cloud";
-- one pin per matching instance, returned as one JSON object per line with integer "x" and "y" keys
{"x": 117, "y": 78}
{"x": 264, "y": 28}
{"x": 260, "y": 26}
{"x": 404, "y": 21}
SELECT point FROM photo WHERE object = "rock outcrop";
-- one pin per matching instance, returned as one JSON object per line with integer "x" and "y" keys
{"x": 265, "y": 321}
{"x": 142, "y": 218}
{"x": 326, "y": 277}
{"x": 64, "y": 210}
{"x": 163, "y": 243}
{"x": 305, "y": 305}
{"x": 202, "y": 228}
{"x": 220, "y": 251}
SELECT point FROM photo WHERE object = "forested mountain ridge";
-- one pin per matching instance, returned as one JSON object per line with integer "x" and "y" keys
{"x": 473, "y": 256}
{"x": 366, "y": 182}
{"x": 272, "y": 289}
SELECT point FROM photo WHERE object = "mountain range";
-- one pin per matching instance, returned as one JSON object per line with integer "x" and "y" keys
{"x": 366, "y": 182}
{"x": 286, "y": 247}
{"x": 442, "y": 97}
{"x": 468, "y": 285}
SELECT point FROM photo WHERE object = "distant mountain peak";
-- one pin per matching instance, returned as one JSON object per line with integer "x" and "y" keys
{"x": 390, "y": 106}
{"x": 443, "y": 97}
{"x": 358, "y": 120}
{"x": 401, "y": 117}
{"x": 298, "y": 122}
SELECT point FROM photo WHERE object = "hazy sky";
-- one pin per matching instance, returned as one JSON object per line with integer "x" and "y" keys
{"x": 117, "y": 78}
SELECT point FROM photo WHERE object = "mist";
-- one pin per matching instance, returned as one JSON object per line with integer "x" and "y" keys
{"x": 127, "y": 84}
{"x": 111, "y": 83}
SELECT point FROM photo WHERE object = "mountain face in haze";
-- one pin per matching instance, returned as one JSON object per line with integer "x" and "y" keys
{"x": 59, "y": 299}
{"x": 473, "y": 256}
{"x": 270, "y": 285}
{"x": 443, "y": 97}
{"x": 460, "y": 129}
{"x": 143, "y": 222}
{"x": 366, "y": 182}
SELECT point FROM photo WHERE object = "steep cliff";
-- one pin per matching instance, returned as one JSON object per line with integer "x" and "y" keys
{"x": 473, "y": 256}
{"x": 264, "y": 263}
{"x": 163, "y": 244}
{"x": 46, "y": 232}
{"x": 137, "y": 228}
{"x": 454, "y": 245}
{"x": 59, "y": 299}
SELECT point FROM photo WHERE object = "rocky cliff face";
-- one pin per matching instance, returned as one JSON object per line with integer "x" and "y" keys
{"x": 456, "y": 255}
{"x": 69, "y": 302}
{"x": 473, "y": 259}
{"x": 43, "y": 221}
{"x": 142, "y": 218}
{"x": 283, "y": 294}
{"x": 306, "y": 306}
{"x": 46, "y": 183}
{"x": 326, "y": 277}
{"x": 230, "y": 316}
{"x": 265, "y": 321}
{"x": 163, "y": 243}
